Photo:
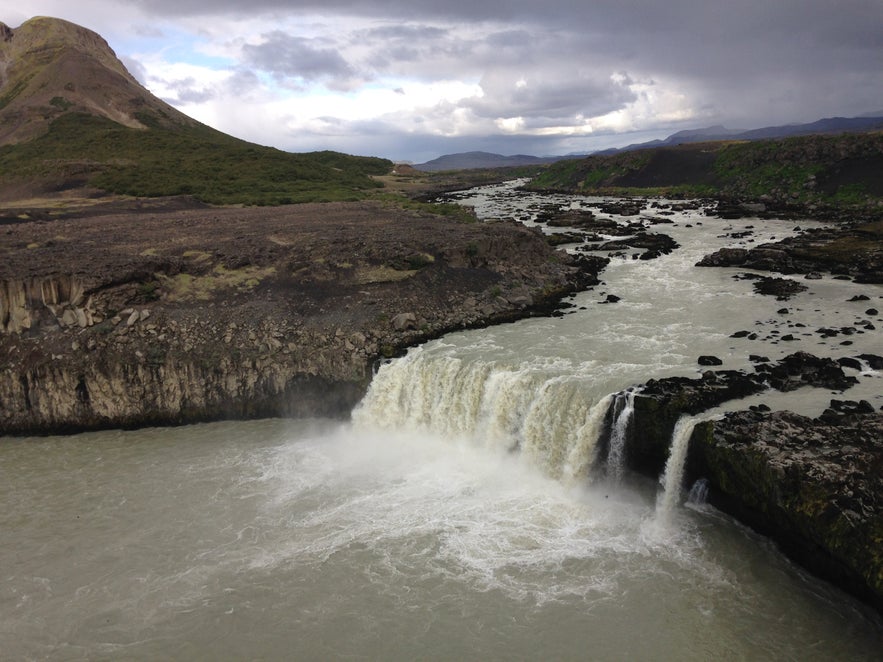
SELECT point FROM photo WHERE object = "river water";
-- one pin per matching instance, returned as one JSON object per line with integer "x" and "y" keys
{"x": 453, "y": 517}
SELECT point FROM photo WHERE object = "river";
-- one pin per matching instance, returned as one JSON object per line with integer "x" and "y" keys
{"x": 454, "y": 516}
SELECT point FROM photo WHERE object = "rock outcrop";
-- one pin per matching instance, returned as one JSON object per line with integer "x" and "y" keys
{"x": 207, "y": 314}
{"x": 813, "y": 485}
{"x": 854, "y": 250}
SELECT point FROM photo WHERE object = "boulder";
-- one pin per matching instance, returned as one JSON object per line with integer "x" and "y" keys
{"x": 404, "y": 321}
{"x": 781, "y": 288}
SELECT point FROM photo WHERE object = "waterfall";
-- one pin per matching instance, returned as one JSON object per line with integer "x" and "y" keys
{"x": 673, "y": 476}
{"x": 623, "y": 408}
{"x": 579, "y": 460}
{"x": 538, "y": 411}
{"x": 698, "y": 493}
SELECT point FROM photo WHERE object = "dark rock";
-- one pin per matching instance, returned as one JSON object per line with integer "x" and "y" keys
{"x": 874, "y": 362}
{"x": 709, "y": 361}
{"x": 812, "y": 485}
{"x": 849, "y": 362}
{"x": 661, "y": 402}
{"x": 812, "y": 252}
{"x": 803, "y": 369}
{"x": 725, "y": 257}
{"x": 740, "y": 334}
{"x": 859, "y": 297}
{"x": 838, "y": 409}
{"x": 781, "y": 288}
{"x": 872, "y": 311}
{"x": 611, "y": 298}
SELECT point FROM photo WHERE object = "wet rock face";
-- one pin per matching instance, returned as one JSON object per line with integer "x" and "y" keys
{"x": 813, "y": 485}
{"x": 661, "y": 402}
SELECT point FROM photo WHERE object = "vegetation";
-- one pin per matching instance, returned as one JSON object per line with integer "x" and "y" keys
{"x": 189, "y": 287}
{"x": 164, "y": 160}
{"x": 839, "y": 170}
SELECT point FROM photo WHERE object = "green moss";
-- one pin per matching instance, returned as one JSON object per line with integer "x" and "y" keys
{"x": 13, "y": 92}
{"x": 60, "y": 102}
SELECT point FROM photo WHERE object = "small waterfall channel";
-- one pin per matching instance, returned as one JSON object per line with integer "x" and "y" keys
{"x": 623, "y": 410}
{"x": 673, "y": 477}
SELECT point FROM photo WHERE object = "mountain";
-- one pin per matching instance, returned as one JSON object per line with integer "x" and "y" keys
{"x": 469, "y": 160}
{"x": 73, "y": 120}
{"x": 830, "y": 125}
{"x": 50, "y": 67}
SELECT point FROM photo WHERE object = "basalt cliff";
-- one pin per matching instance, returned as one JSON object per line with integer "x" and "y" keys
{"x": 174, "y": 317}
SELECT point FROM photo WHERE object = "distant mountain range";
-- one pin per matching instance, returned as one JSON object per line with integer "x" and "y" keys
{"x": 830, "y": 125}
{"x": 469, "y": 160}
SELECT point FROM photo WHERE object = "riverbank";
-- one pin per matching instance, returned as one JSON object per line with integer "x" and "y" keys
{"x": 170, "y": 317}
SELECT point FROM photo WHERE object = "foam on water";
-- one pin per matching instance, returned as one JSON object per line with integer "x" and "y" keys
{"x": 465, "y": 513}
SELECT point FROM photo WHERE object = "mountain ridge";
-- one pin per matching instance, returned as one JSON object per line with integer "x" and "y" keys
{"x": 828, "y": 125}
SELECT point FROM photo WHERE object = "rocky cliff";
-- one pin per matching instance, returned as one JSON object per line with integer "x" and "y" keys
{"x": 812, "y": 485}
{"x": 162, "y": 318}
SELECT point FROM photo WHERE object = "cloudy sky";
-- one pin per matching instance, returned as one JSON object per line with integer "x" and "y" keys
{"x": 415, "y": 79}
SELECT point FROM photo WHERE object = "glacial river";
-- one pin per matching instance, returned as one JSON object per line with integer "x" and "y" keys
{"x": 453, "y": 517}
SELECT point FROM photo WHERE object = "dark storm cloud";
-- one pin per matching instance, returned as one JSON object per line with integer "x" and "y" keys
{"x": 189, "y": 90}
{"x": 410, "y": 33}
{"x": 629, "y": 64}
{"x": 288, "y": 56}
{"x": 559, "y": 95}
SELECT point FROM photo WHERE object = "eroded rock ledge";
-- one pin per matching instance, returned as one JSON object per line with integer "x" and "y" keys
{"x": 815, "y": 486}
{"x": 125, "y": 321}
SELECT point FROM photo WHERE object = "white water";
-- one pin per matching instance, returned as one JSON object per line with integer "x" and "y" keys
{"x": 673, "y": 475}
{"x": 453, "y": 519}
{"x": 622, "y": 418}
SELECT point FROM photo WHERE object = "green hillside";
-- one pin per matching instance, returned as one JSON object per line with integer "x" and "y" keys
{"x": 81, "y": 150}
{"x": 842, "y": 170}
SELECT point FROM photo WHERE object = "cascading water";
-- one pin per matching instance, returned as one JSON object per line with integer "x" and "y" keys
{"x": 321, "y": 540}
{"x": 673, "y": 476}
{"x": 624, "y": 408}
{"x": 698, "y": 494}
{"x": 545, "y": 416}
